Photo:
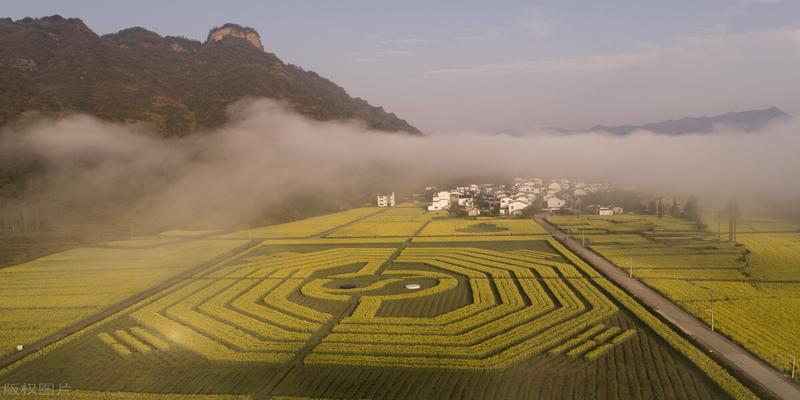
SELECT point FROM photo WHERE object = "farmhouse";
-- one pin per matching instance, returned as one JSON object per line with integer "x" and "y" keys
{"x": 438, "y": 205}
{"x": 465, "y": 200}
{"x": 526, "y": 188}
{"x": 386, "y": 200}
{"x": 516, "y": 207}
{"x": 605, "y": 211}
{"x": 441, "y": 201}
{"x": 554, "y": 203}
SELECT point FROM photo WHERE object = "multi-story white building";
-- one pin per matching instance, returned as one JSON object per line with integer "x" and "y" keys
{"x": 441, "y": 201}
{"x": 386, "y": 200}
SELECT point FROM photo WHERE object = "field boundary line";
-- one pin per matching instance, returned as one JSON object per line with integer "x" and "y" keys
{"x": 120, "y": 306}
{"x": 336, "y": 228}
{"x": 745, "y": 364}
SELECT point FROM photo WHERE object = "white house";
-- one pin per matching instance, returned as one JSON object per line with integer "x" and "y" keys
{"x": 504, "y": 202}
{"x": 473, "y": 212}
{"x": 516, "y": 207}
{"x": 444, "y": 195}
{"x": 441, "y": 201}
{"x": 605, "y": 211}
{"x": 386, "y": 200}
{"x": 554, "y": 203}
{"x": 555, "y": 187}
{"x": 465, "y": 201}
{"x": 438, "y": 205}
{"x": 617, "y": 210}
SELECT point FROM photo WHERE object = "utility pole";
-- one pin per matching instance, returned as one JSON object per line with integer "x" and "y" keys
{"x": 630, "y": 268}
{"x": 712, "y": 310}
{"x": 583, "y": 238}
{"x": 794, "y": 364}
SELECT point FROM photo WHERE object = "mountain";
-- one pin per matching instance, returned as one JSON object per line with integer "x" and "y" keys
{"x": 57, "y": 65}
{"x": 743, "y": 121}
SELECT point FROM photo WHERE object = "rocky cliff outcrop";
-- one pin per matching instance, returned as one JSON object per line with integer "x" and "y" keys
{"x": 235, "y": 31}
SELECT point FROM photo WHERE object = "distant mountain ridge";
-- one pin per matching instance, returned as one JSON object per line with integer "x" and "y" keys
{"x": 57, "y": 65}
{"x": 741, "y": 121}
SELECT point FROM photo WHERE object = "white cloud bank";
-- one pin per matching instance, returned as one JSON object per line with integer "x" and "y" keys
{"x": 269, "y": 160}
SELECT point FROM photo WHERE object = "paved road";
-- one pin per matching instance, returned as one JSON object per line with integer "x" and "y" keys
{"x": 771, "y": 380}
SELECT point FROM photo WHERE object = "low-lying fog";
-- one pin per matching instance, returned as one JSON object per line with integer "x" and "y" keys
{"x": 268, "y": 163}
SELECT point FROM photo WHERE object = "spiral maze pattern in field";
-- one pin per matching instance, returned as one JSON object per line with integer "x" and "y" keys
{"x": 293, "y": 306}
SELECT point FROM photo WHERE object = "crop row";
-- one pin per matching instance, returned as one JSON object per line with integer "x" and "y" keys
{"x": 711, "y": 368}
{"x": 552, "y": 329}
{"x": 50, "y": 283}
{"x": 471, "y": 239}
{"x": 253, "y": 318}
{"x": 204, "y": 335}
{"x": 118, "y": 347}
{"x": 484, "y": 339}
{"x": 766, "y": 326}
{"x": 460, "y": 227}
{"x": 691, "y": 266}
{"x": 304, "y": 228}
{"x": 300, "y": 265}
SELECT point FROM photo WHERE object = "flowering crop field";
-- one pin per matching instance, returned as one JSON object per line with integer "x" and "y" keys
{"x": 43, "y": 296}
{"x": 304, "y": 228}
{"x": 480, "y": 227}
{"x": 398, "y": 221}
{"x": 621, "y": 223}
{"x": 755, "y": 285}
{"x": 487, "y": 317}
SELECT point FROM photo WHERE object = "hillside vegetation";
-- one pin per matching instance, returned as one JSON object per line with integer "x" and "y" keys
{"x": 57, "y": 66}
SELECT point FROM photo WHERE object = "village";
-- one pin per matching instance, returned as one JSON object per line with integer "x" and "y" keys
{"x": 520, "y": 198}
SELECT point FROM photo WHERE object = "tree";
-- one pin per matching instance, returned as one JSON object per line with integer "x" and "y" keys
{"x": 529, "y": 211}
{"x": 458, "y": 210}
{"x": 691, "y": 211}
{"x": 659, "y": 209}
{"x": 675, "y": 211}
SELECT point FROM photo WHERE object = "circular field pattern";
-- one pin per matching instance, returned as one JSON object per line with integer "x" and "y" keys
{"x": 324, "y": 307}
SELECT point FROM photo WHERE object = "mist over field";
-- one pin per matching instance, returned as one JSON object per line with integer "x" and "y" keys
{"x": 269, "y": 164}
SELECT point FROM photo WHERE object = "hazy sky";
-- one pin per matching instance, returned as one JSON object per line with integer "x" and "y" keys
{"x": 487, "y": 66}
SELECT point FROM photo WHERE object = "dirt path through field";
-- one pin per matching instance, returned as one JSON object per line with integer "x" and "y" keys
{"x": 72, "y": 329}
